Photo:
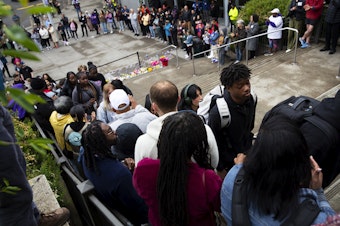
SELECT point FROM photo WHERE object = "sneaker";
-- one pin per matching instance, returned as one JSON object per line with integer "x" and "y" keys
{"x": 268, "y": 54}
{"x": 56, "y": 218}
{"x": 209, "y": 56}
{"x": 186, "y": 56}
{"x": 337, "y": 77}
{"x": 302, "y": 41}
{"x": 236, "y": 61}
{"x": 288, "y": 50}
{"x": 304, "y": 46}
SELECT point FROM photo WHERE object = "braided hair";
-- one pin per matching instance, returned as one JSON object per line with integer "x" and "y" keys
{"x": 182, "y": 137}
{"x": 95, "y": 145}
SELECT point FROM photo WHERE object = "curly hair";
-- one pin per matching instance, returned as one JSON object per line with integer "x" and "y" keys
{"x": 183, "y": 136}
{"x": 234, "y": 73}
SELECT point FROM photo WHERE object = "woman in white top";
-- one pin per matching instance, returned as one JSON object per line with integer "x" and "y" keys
{"x": 54, "y": 35}
{"x": 274, "y": 23}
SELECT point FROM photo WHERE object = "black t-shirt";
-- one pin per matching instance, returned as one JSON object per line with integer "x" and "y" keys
{"x": 99, "y": 79}
{"x": 26, "y": 72}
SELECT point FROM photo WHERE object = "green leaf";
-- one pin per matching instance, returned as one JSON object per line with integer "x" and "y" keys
{"x": 24, "y": 2}
{"x": 20, "y": 54}
{"x": 40, "y": 144}
{"x": 18, "y": 34}
{"x": 5, "y": 10}
{"x": 26, "y": 100}
{"x": 3, "y": 98}
{"x": 6, "y": 182}
{"x": 20, "y": 132}
{"x": 41, "y": 9}
{"x": 4, "y": 143}
{"x": 37, "y": 148}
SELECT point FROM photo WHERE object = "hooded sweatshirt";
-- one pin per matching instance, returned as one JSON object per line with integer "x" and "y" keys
{"x": 146, "y": 145}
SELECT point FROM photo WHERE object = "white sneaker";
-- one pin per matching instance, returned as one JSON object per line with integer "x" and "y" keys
{"x": 268, "y": 54}
{"x": 111, "y": 32}
{"x": 236, "y": 61}
{"x": 288, "y": 50}
{"x": 209, "y": 56}
{"x": 186, "y": 56}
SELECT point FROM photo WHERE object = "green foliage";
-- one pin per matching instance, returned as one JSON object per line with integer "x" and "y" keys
{"x": 17, "y": 34}
{"x": 6, "y": 188}
{"x": 263, "y": 8}
{"x": 34, "y": 148}
{"x": 41, "y": 10}
{"x": 37, "y": 160}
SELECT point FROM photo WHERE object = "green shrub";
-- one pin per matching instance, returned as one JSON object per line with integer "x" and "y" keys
{"x": 263, "y": 8}
{"x": 36, "y": 162}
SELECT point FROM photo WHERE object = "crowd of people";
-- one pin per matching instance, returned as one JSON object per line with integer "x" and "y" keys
{"x": 156, "y": 156}
{"x": 194, "y": 28}
{"x": 145, "y": 160}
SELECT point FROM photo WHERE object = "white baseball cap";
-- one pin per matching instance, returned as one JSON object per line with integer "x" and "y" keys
{"x": 276, "y": 10}
{"x": 119, "y": 97}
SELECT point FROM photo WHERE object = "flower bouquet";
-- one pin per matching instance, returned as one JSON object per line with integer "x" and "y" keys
{"x": 164, "y": 60}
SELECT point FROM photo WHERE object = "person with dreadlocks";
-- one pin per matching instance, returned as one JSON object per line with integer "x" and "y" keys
{"x": 87, "y": 93}
{"x": 180, "y": 188}
{"x": 111, "y": 178}
{"x": 237, "y": 136}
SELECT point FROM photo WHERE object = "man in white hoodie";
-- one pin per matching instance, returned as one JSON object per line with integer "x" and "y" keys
{"x": 164, "y": 99}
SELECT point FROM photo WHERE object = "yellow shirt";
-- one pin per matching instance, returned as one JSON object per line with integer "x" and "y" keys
{"x": 58, "y": 122}
{"x": 233, "y": 14}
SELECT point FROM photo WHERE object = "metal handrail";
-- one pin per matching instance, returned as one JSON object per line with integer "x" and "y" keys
{"x": 246, "y": 39}
{"x": 121, "y": 58}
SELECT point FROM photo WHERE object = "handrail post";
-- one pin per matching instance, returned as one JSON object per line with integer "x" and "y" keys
{"x": 138, "y": 59}
{"x": 296, "y": 45}
{"x": 247, "y": 52}
{"x": 193, "y": 65}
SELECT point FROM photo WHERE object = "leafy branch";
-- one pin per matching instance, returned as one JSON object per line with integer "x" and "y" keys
{"x": 5, "y": 187}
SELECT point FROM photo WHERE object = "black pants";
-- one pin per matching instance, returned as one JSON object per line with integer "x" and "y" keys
{"x": 332, "y": 35}
{"x": 45, "y": 42}
{"x": 128, "y": 24}
{"x": 63, "y": 37}
{"x": 83, "y": 27}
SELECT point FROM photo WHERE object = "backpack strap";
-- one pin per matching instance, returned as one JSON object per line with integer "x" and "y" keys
{"x": 65, "y": 138}
{"x": 224, "y": 112}
{"x": 239, "y": 211}
{"x": 324, "y": 126}
{"x": 304, "y": 214}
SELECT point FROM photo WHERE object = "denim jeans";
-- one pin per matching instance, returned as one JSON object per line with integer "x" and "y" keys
{"x": 238, "y": 53}
{"x": 103, "y": 26}
{"x": 152, "y": 31}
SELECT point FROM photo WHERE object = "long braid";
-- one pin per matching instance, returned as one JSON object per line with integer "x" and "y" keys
{"x": 183, "y": 135}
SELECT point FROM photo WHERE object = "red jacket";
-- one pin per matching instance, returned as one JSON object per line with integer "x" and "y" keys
{"x": 203, "y": 199}
{"x": 315, "y": 12}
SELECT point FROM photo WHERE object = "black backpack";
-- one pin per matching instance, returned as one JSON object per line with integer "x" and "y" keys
{"x": 301, "y": 109}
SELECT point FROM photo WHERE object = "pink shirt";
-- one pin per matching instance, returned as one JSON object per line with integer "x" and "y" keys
{"x": 203, "y": 199}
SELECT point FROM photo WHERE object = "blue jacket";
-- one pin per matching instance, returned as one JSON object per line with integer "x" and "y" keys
{"x": 267, "y": 220}
{"x": 213, "y": 37}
